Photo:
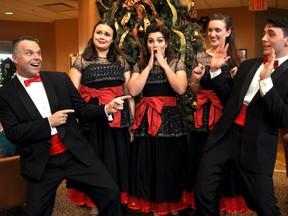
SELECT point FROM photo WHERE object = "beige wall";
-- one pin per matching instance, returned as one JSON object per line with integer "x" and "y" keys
{"x": 10, "y": 30}
{"x": 66, "y": 42}
{"x": 248, "y": 26}
{"x": 57, "y": 40}
{"x": 88, "y": 17}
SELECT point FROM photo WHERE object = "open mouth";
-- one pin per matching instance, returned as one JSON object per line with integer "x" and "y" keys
{"x": 35, "y": 65}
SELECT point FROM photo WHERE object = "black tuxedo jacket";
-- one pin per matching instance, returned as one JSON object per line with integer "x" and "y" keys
{"x": 264, "y": 115}
{"x": 25, "y": 127}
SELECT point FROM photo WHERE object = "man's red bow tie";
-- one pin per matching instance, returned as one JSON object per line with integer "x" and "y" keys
{"x": 276, "y": 63}
{"x": 37, "y": 78}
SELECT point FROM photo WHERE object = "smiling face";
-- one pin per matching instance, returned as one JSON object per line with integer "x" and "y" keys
{"x": 156, "y": 43}
{"x": 103, "y": 37}
{"x": 273, "y": 37}
{"x": 28, "y": 59}
{"x": 217, "y": 32}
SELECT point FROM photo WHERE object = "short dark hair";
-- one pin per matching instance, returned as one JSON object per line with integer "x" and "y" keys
{"x": 280, "y": 22}
{"x": 22, "y": 38}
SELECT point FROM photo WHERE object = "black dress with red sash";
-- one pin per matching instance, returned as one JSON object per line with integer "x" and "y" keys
{"x": 158, "y": 153}
{"x": 101, "y": 82}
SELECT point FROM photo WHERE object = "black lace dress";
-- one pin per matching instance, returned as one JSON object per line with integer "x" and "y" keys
{"x": 157, "y": 162}
{"x": 111, "y": 144}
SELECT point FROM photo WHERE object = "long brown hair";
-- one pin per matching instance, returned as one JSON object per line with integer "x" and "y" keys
{"x": 90, "y": 52}
{"x": 234, "y": 53}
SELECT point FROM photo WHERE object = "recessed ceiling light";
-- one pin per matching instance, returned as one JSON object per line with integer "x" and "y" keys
{"x": 9, "y": 13}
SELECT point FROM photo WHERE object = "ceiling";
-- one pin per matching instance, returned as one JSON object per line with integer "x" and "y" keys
{"x": 38, "y": 10}
{"x": 51, "y": 10}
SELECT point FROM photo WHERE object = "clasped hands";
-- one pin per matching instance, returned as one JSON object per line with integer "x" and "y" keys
{"x": 60, "y": 117}
{"x": 155, "y": 54}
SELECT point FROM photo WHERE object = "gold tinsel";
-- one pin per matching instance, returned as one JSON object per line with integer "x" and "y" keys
{"x": 179, "y": 33}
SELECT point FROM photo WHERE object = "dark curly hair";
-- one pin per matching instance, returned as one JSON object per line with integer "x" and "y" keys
{"x": 169, "y": 54}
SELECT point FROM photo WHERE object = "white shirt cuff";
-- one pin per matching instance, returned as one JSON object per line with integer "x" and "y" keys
{"x": 265, "y": 85}
{"x": 215, "y": 73}
{"x": 109, "y": 116}
{"x": 53, "y": 129}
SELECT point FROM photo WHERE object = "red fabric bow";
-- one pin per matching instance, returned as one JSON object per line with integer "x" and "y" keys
{"x": 276, "y": 62}
{"x": 203, "y": 96}
{"x": 154, "y": 106}
{"x": 104, "y": 95}
{"x": 37, "y": 78}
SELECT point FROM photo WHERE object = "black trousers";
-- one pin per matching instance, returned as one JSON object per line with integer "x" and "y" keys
{"x": 95, "y": 181}
{"x": 258, "y": 190}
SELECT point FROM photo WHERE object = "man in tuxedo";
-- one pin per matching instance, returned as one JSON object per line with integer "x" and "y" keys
{"x": 245, "y": 137}
{"x": 40, "y": 118}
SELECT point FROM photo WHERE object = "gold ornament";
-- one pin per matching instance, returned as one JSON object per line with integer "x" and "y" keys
{"x": 193, "y": 103}
{"x": 140, "y": 29}
{"x": 187, "y": 3}
{"x": 146, "y": 22}
{"x": 116, "y": 25}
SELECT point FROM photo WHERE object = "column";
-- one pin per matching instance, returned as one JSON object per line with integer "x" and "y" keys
{"x": 87, "y": 18}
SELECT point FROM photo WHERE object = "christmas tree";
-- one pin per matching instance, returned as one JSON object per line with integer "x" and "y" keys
{"x": 132, "y": 17}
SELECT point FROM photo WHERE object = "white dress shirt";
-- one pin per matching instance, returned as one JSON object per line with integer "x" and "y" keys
{"x": 39, "y": 97}
{"x": 256, "y": 84}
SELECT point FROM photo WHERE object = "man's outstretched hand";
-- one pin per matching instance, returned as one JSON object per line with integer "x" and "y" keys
{"x": 59, "y": 117}
{"x": 116, "y": 104}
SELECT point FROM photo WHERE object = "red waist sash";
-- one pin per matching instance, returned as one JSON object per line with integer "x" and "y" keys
{"x": 154, "y": 106}
{"x": 57, "y": 145}
{"x": 104, "y": 95}
{"x": 203, "y": 96}
{"x": 240, "y": 119}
